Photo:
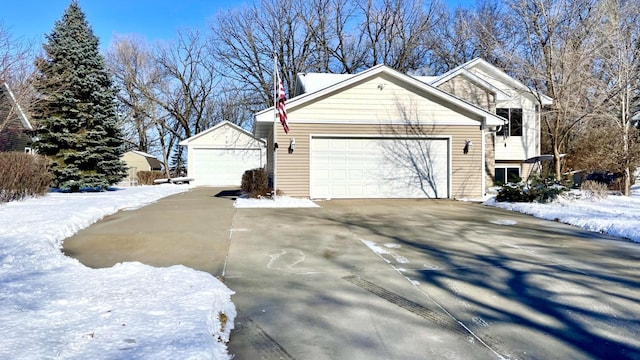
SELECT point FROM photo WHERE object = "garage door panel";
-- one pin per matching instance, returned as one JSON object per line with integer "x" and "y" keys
{"x": 379, "y": 168}
{"x": 221, "y": 167}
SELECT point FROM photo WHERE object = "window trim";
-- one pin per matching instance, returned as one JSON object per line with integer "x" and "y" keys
{"x": 508, "y": 127}
{"x": 506, "y": 169}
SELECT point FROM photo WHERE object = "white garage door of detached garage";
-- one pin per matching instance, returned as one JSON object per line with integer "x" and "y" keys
{"x": 221, "y": 167}
{"x": 379, "y": 167}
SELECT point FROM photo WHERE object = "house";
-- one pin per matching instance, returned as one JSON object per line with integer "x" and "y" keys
{"x": 219, "y": 156}
{"x": 138, "y": 161}
{"x": 14, "y": 123}
{"x": 384, "y": 134}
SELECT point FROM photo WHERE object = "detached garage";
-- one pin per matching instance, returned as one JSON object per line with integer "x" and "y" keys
{"x": 376, "y": 134}
{"x": 220, "y": 155}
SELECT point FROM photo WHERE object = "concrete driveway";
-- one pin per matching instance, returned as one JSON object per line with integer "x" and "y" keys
{"x": 447, "y": 280}
{"x": 406, "y": 279}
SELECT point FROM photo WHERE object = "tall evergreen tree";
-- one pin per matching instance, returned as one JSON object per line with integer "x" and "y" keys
{"x": 75, "y": 111}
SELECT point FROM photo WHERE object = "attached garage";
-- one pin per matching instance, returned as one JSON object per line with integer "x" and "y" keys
{"x": 379, "y": 167}
{"x": 220, "y": 155}
{"x": 377, "y": 134}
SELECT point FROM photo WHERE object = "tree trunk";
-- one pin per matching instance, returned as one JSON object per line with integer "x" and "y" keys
{"x": 627, "y": 170}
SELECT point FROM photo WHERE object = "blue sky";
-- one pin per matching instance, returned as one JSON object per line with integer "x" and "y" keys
{"x": 155, "y": 19}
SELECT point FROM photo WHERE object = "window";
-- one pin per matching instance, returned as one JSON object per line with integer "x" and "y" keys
{"x": 514, "y": 123}
{"x": 507, "y": 174}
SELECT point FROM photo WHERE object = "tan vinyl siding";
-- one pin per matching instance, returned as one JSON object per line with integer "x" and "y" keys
{"x": 380, "y": 99}
{"x": 294, "y": 169}
{"x": 515, "y": 147}
{"x": 467, "y": 90}
{"x": 135, "y": 161}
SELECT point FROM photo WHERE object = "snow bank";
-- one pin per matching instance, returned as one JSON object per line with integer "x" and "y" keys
{"x": 277, "y": 202}
{"x": 615, "y": 215}
{"x": 51, "y": 306}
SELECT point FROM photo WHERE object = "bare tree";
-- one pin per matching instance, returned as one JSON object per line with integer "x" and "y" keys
{"x": 189, "y": 85}
{"x": 16, "y": 57}
{"x": 170, "y": 90}
{"x": 340, "y": 36}
{"x": 615, "y": 138}
{"x": 336, "y": 47}
{"x": 132, "y": 65}
{"x": 247, "y": 39}
{"x": 396, "y": 32}
{"x": 555, "y": 58}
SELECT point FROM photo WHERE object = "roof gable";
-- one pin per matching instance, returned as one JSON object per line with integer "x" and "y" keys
{"x": 409, "y": 83}
{"x": 142, "y": 153}
{"x": 438, "y": 81}
{"x": 141, "y": 159}
{"x": 10, "y": 109}
{"x": 224, "y": 135}
{"x": 479, "y": 66}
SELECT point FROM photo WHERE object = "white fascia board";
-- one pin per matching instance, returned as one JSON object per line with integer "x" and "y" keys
{"x": 544, "y": 99}
{"x": 21, "y": 113}
{"x": 500, "y": 95}
{"x": 490, "y": 119}
{"x": 186, "y": 142}
{"x": 142, "y": 153}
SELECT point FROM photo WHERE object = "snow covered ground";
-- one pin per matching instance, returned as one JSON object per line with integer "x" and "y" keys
{"x": 278, "y": 202}
{"x": 615, "y": 215}
{"x": 53, "y": 307}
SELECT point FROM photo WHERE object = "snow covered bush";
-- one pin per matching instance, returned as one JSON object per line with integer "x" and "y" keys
{"x": 538, "y": 189}
{"x": 23, "y": 175}
{"x": 595, "y": 189}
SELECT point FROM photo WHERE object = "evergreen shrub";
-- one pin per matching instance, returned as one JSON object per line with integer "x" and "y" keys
{"x": 76, "y": 112}
{"x": 23, "y": 175}
{"x": 147, "y": 177}
{"x": 255, "y": 183}
{"x": 542, "y": 190}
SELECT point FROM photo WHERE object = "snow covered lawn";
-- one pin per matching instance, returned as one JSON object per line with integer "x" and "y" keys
{"x": 51, "y": 306}
{"x": 615, "y": 215}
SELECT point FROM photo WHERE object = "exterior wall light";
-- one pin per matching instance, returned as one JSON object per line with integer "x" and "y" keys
{"x": 467, "y": 146}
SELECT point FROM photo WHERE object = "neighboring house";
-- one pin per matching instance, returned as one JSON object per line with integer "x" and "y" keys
{"x": 14, "y": 123}
{"x": 138, "y": 161}
{"x": 220, "y": 155}
{"x": 383, "y": 134}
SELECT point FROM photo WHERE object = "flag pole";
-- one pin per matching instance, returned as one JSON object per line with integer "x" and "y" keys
{"x": 275, "y": 128}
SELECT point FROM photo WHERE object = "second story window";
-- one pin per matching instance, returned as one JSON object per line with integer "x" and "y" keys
{"x": 514, "y": 121}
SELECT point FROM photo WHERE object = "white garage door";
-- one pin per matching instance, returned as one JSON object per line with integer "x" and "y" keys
{"x": 222, "y": 167}
{"x": 379, "y": 168}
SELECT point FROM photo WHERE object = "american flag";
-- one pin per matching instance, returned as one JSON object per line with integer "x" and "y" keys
{"x": 282, "y": 111}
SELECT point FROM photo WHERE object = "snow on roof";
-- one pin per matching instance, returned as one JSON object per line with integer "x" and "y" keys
{"x": 426, "y": 79}
{"x": 312, "y": 82}
{"x": 142, "y": 153}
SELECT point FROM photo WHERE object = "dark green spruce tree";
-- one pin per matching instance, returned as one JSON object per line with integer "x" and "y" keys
{"x": 75, "y": 109}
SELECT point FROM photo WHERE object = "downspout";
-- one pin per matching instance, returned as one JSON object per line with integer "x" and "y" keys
{"x": 484, "y": 155}
{"x": 484, "y": 163}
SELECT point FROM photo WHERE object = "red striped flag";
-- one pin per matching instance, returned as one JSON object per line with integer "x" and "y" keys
{"x": 280, "y": 104}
